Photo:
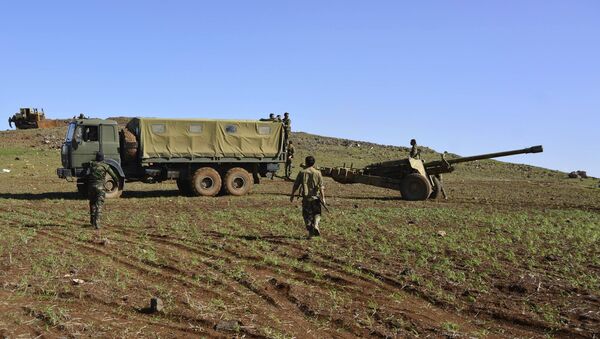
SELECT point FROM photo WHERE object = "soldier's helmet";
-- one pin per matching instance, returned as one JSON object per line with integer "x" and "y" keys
{"x": 286, "y": 114}
{"x": 309, "y": 161}
{"x": 413, "y": 141}
{"x": 272, "y": 115}
{"x": 99, "y": 156}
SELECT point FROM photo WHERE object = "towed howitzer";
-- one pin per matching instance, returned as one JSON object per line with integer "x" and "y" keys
{"x": 414, "y": 178}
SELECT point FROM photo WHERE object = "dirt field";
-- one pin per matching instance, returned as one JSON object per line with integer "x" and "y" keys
{"x": 512, "y": 253}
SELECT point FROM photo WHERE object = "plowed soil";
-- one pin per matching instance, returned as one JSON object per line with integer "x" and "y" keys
{"x": 501, "y": 258}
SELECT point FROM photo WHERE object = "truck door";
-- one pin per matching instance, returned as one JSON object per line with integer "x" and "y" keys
{"x": 110, "y": 142}
{"x": 87, "y": 144}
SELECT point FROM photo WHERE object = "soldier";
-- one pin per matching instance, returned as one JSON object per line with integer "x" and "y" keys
{"x": 310, "y": 182}
{"x": 287, "y": 124}
{"x": 286, "y": 119}
{"x": 278, "y": 119}
{"x": 96, "y": 176}
{"x": 288, "y": 160}
{"x": 415, "y": 152}
{"x": 270, "y": 118}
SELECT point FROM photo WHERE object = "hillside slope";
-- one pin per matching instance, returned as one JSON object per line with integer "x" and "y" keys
{"x": 330, "y": 152}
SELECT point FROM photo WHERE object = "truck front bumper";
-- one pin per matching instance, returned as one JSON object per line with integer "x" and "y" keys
{"x": 64, "y": 173}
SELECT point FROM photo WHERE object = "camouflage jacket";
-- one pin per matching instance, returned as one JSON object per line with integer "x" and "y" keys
{"x": 310, "y": 181}
{"x": 97, "y": 174}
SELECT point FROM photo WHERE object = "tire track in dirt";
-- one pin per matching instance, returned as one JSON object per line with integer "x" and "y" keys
{"x": 150, "y": 272}
{"x": 162, "y": 267}
{"x": 59, "y": 235}
{"x": 350, "y": 279}
{"x": 273, "y": 300}
{"x": 349, "y": 282}
{"x": 420, "y": 309}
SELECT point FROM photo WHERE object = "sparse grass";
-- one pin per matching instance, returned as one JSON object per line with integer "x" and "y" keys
{"x": 212, "y": 258}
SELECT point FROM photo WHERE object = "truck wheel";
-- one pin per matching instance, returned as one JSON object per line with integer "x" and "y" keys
{"x": 82, "y": 188}
{"x": 185, "y": 187}
{"x": 238, "y": 181}
{"x": 113, "y": 188}
{"x": 206, "y": 182}
{"x": 436, "y": 190}
{"x": 415, "y": 187}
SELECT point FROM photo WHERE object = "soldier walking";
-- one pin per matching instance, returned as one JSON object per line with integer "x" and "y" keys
{"x": 96, "y": 177}
{"x": 310, "y": 182}
{"x": 288, "y": 160}
{"x": 415, "y": 152}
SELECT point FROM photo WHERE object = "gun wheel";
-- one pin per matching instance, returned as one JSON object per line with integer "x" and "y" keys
{"x": 206, "y": 182}
{"x": 238, "y": 181}
{"x": 415, "y": 187}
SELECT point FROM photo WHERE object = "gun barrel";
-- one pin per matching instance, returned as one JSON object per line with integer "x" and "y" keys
{"x": 533, "y": 149}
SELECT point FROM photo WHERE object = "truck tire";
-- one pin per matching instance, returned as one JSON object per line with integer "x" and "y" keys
{"x": 436, "y": 190}
{"x": 113, "y": 189}
{"x": 415, "y": 187}
{"x": 206, "y": 182}
{"x": 238, "y": 181}
{"x": 185, "y": 187}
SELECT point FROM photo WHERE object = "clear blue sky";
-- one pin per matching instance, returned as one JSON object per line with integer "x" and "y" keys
{"x": 463, "y": 76}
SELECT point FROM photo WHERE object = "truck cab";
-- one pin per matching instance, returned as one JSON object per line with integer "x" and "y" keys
{"x": 86, "y": 137}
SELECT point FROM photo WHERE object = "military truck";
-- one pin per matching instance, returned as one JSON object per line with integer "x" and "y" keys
{"x": 414, "y": 178}
{"x": 205, "y": 157}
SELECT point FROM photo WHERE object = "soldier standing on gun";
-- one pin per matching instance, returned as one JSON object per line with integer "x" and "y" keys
{"x": 415, "y": 152}
{"x": 310, "y": 182}
{"x": 288, "y": 160}
{"x": 96, "y": 177}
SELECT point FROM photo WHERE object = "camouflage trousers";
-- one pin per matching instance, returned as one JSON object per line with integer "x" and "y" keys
{"x": 96, "y": 196}
{"x": 311, "y": 212}
{"x": 288, "y": 168}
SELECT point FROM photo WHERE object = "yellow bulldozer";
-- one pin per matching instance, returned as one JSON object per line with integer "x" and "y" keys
{"x": 28, "y": 118}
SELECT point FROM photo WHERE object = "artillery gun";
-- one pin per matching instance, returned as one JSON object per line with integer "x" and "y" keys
{"x": 414, "y": 178}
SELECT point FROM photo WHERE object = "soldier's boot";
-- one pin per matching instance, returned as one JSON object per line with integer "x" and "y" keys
{"x": 309, "y": 229}
{"x": 316, "y": 230}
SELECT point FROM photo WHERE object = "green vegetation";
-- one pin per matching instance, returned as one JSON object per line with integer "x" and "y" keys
{"x": 523, "y": 249}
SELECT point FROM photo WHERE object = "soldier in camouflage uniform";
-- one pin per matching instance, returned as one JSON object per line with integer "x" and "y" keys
{"x": 288, "y": 160}
{"x": 287, "y": 124}
{"x": 310, "y": 182}
{"x": 96, "y": 177}
{"x": 415, "y": 152}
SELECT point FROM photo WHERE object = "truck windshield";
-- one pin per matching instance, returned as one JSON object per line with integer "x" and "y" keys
{"x": 70, "y": 132}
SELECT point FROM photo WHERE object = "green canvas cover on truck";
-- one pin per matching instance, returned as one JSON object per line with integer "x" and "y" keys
{"x": 173, "y": 138}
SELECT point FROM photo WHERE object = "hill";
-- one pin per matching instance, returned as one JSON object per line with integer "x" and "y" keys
{"x": 329, "y": 151}
{"x": 512, "y": 253}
